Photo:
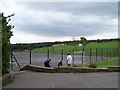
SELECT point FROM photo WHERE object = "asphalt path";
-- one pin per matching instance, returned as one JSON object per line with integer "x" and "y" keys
{"x": 29, "y": 79}
{"x": 23, "y": 59}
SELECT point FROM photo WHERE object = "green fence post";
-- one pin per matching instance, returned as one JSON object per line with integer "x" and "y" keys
{"x": 90, "y": 54}
{"x": 96, "y": 54}
{"x": 101, "y": 53}
{"x": 113, "y": 52}
{"x": 30, "y": 57}
{"x": 47, "y": 54}
{"x": 62, "y": 55}
{"x": 82, "y": 54}
{"x": 110, "y": 53}
{"x": 73, "y": 57}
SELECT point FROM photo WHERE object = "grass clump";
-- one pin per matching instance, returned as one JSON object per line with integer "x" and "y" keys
{"x": 92, "y": 65}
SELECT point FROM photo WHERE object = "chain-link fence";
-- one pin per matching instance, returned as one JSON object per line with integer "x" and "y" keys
{"x": 79, "y": 57}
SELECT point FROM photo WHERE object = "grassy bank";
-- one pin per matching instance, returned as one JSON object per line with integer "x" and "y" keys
{"x": 103, "y": 63}
{"x": 107, "y": 63}
{"x": 104, "y": 47}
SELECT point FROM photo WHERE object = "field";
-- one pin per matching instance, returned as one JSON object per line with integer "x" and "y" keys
{"x": 105, "y": 48}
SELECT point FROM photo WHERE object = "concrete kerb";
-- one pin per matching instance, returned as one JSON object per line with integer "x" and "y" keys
{"x": 69, "y": 69}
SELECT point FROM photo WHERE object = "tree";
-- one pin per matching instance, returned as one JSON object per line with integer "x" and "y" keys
{"x": 83, "y": 41}
{"x": 98, "y": 41}
{"x": 6, "y": 35}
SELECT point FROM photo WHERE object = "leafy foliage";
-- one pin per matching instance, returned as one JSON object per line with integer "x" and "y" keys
{"x": 6, "y": 35}
{"x": 83, "y": 41}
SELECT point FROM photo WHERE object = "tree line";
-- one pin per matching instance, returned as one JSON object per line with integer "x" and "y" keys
{"x": 25, "y": 46}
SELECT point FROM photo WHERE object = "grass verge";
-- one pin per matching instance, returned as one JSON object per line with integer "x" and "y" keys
{"x": 103, "y": 63}
{"x": 107, "y": 63}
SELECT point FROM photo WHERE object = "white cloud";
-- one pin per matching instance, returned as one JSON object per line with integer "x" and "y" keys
{"x": 24, "y": 15}
{"x": 103, "y": 36}
{"x": 25, "y": 19}
{"x": 8, "y": 6}
{"x": 22, "y": 37}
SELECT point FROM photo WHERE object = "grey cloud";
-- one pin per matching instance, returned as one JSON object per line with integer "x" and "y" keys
{"x": 61, "y": 30}
{"x": 71, "y": 29}
{"x": 80, "y": 8}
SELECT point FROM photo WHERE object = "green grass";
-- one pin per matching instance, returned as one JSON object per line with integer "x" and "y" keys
{"x": 112, "y": 44}
{"x": 69, "y": 49}
{"x": 103, "y": 63}
{"x": 107, "y": 63}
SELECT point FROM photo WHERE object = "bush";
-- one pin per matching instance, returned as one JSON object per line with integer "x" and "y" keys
{"x": 6, "y": 35}
{"x": 92, "y": 65}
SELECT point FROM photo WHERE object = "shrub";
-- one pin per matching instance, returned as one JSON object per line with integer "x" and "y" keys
{"x": 6, "y": 35}
{"x": 92, "y": 65}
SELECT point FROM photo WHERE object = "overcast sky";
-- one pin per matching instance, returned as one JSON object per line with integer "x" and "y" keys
{"x": 61, "y": 21}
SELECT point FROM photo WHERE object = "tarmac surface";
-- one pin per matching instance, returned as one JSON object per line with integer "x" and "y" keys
{"x": 28, "y": 79}
{"x": 23, "y": 59}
